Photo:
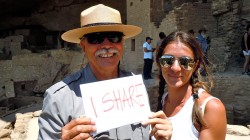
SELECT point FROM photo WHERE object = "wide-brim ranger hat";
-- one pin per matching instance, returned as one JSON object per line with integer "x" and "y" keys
{"x": 100, "y": 18}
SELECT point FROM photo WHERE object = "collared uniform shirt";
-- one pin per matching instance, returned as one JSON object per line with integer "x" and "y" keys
{"x": 63, "y": 103}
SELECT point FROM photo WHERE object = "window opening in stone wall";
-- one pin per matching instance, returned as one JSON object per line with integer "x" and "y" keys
{"x": 204, "y": 1}
{"x": 26, "y": 88}
{"x": 167, "y": 5}
{"x": 3, "y": 89}
{"x": 23, "y": 86}
{"x": 131, "y": 3}
{"x": 132, "y": 45}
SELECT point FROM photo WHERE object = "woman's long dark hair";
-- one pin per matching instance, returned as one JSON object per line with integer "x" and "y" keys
{"x": 197, "y": 80}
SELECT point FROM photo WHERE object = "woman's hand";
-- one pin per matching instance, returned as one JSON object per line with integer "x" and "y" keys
{"x": 78, "y": 129}
{"x": 161, "y": 126}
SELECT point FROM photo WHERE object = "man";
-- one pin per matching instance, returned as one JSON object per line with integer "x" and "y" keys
{"x": 101, "y": 36}
{"x": 148, "y": 58}
{"x": 202, "y": 39}
{"x": 158, "y": 43}
{"x": 191, "y": 33}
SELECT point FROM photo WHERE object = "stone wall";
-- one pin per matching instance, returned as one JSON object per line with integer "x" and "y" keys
{"x": 229, "y": 30}
{"x": 233, "y": 90}
{"x": 45, "y": 68}
{"x": 184, "y": 17}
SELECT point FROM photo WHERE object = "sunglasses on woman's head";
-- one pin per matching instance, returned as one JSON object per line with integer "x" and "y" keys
{"x": 98, "y": 37}
{"x": 185, "y": 62}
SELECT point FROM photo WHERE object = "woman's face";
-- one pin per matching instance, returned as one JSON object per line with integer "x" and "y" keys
{"x": 175, "y": 75}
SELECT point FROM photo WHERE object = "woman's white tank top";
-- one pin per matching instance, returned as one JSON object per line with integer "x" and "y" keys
{"x": 183, "y": 127}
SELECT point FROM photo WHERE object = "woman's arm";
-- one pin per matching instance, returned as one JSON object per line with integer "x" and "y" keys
{"x": 216, "y": 121}
{"x": 245, "y": 41}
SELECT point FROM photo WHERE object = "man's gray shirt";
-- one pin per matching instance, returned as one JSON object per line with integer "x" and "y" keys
{"x": 63, "y": 102}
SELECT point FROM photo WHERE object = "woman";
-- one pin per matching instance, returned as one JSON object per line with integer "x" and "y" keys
{"x": 245, "y": 44}
{"x": 194, "y": 113}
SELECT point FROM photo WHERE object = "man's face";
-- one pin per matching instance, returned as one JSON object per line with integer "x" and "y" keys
{"x": 149, "y": 41}
{"x": 103, "y": 54}
{"x": 203, "y": 33}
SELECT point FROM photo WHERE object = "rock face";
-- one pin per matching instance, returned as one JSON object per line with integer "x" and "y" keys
{"x": 54, "y": 15}
{"x": 21, "y": 124}
{"x": 238, "y": 130}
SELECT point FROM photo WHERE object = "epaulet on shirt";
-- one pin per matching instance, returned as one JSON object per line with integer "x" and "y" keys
{"x": 66, "y": 81}
{"x": 125, "y": 73}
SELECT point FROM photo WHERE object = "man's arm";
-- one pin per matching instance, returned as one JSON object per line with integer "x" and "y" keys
{"x": 57, "y": 120}
{"x": 49, "y": 122}
{"x": 146, "y": 49}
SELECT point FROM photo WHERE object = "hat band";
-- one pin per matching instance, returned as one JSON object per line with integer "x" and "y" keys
{"x": 102, "y": 23}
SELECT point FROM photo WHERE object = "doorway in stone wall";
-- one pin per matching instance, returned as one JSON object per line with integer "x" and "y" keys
{"x": 24, "y": 88}
{"x": 24, "y": 94}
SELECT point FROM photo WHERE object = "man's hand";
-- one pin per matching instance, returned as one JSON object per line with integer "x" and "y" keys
{"x": 161, "y": 126}
{"x": 153, "y": 49}
{"x": 78, "y": 129}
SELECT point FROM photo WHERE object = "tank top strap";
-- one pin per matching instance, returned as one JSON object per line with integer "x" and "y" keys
{"x": 203, "y": 106}
{"x": 200, "y": 91}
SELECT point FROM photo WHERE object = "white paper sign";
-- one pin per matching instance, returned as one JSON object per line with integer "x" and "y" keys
{"x": 117, "y": 102}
